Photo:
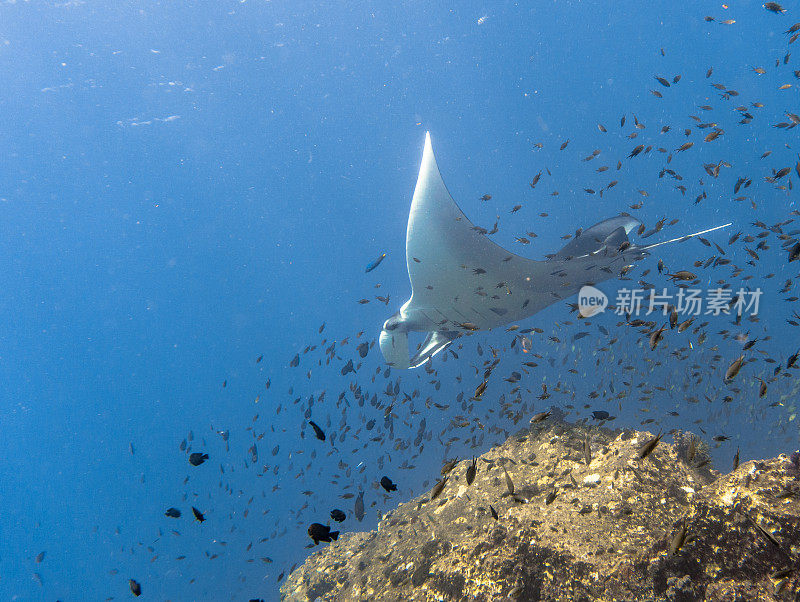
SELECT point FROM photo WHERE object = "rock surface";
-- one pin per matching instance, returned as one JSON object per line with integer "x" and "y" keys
{"x": 606, "y": 530}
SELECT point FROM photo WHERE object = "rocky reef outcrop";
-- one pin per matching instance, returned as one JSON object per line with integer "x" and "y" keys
{"x": 581, "y": 515}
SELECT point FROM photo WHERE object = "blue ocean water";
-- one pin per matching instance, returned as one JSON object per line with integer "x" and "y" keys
{"x": 186, "y": 187}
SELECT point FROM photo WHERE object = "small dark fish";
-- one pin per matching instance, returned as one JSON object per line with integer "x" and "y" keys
{"x": 338, "y": 515}
{"x": 540, "y": 417}
{"x": 438, "y": 488}
{"x": 173, "y": 513}
{"x": 197, "y": 458}
{"x": 448, "y": 466}
{"x": 295, "y": 361}
{"x": 736, "y": 459}
{"x": 318, "y": 432}
{"x": 636, "y": 151}
{"x": 550, "y": 498}
{"x": 794, "y": 253}
{"x": 40, "y": 556}
{"x": 363, "y": 349}
{"x": 682, "y": 275}
{"x": 319, "y": 533}
{"x": 494, "y": 513}
{"x": 259, "y": 358}
{"x": 374, "y": 263}
{"x": 720, "y": 438}
{"x": 198, "y": 515}
{"x": 648, "y": 447}
{"x": 762, "y": 532}
{"x": 774, "y": 7}
{"x": 678, "y": 539}
{"x": 673, "y": 318}
{"x": 600, "y": 415}
{"x": 387, "y": 484}
{"x": 358, "y": 509}
{"x": 136, "y": 588}
{"x": 656, "y": 336}
{"x": 472, "y": 470}
{"x": 734, "y": 368}
{"x": 509, "y": 482}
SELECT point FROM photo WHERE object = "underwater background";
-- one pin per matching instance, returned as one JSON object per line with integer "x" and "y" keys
{"x": 190, "y": 190}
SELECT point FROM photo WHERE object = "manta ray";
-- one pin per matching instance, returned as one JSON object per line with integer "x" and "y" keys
{"x": 462, "y": 282}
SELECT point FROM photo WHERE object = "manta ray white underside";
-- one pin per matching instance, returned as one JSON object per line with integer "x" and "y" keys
{"x": 461, "y": 281}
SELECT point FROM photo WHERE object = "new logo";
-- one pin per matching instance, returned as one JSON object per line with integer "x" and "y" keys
{"x": 591, "y": 301}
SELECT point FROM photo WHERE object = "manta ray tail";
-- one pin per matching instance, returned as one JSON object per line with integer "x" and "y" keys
{"x": 682, "y": 238}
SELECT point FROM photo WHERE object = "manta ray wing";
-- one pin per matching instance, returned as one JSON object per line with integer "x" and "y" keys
{"x": 451, "y": 263}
